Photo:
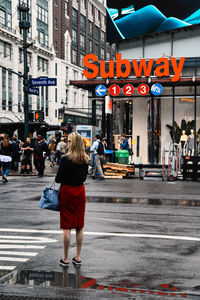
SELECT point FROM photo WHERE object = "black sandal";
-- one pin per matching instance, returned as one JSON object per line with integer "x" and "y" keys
{"x": 76, "y": 262}
{"x": 63, "y": 264}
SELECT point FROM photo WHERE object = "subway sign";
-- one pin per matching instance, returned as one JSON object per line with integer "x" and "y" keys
{"x": 134, "y": 67}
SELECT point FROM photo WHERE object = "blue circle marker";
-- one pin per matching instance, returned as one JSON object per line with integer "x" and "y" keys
{"x": 100, "y": 90}
{"x": 157, "y": 89}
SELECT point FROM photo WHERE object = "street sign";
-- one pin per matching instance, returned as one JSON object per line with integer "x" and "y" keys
{"x": 128, "y": 90}
{"x": 43, "y": 81}
{"x": 33, "y": 91}
{"x": 100, "y": 90}
{"x": 157, "y": 89}
{"x": 143, "y": 89}
{"x": 114, "y": 90}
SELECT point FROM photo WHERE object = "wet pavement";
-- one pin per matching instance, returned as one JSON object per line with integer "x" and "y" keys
{"x": 142, "y": 241}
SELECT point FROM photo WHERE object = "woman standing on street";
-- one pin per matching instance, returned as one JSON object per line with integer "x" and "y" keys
{"x": 5, "y": 157}
{"x": 71, "y": 174}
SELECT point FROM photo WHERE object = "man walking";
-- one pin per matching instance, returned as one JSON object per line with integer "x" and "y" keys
{"x": 99, "y": 152}
{"x": 41, "y": 150}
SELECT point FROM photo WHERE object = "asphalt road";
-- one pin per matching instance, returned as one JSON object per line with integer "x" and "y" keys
{"x": 142, "y": 241}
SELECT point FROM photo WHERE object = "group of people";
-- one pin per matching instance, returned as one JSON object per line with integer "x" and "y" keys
{"x": 13, "y": 150}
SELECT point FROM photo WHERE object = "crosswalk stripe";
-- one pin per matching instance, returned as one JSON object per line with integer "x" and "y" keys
{"x": 25, "y": 242}
{"x": 5, "y": 258}
{"x": 18, "y": 253}
{"x": 9, "y": 268}
{"x": 5, "y": 246}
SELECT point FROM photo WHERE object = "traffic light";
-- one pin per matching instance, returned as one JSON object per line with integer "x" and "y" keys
{"x": 39, "y": 116}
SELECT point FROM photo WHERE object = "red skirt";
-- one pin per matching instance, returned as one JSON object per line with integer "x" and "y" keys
{"x": 72, "y": 206}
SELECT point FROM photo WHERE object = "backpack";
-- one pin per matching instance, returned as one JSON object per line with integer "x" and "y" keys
{"x": 100, "y": 148}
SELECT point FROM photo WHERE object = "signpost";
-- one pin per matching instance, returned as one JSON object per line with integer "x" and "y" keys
{"x": 43, "y": 81}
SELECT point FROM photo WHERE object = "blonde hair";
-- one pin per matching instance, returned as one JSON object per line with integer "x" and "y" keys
{"x": 6, "y": 142}
{"x": 76, "y": 151}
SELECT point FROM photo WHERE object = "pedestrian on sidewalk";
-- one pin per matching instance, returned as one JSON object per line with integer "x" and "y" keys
{"x": 61, "y": 149}
{"x": 98, "y": 151}
{"x": 52, "y": 148}
{"x": 27, "y": 149}
{"x": 41, "y": 150}
{"x": 6, "y": 158}
{"x": 71, "y": 174}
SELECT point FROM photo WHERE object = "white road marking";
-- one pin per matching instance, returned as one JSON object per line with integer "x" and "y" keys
{"x": 39, "y": 239}
{"x": 131, "y": 235}
{"x": 6, "y": 246}
{"x": 18, "y": 253}
{"x": 5, "y": 258}
{"x": 27, "y": 242}
{"x": 8, "y": 268}
{"x": 19, "y": 242}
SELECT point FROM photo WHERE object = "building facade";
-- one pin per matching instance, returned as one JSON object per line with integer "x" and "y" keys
{"x": 61, "y": 33}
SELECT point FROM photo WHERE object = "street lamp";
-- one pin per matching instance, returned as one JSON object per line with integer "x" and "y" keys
{"x": 24, "y": 26}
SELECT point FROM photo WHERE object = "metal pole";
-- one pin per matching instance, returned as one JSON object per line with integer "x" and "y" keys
{"x": 195, "y": 120}
{"x": 103, "y": 119}
{"x": 152, "y": 131}
{"x": 173, "y": 117}
{"x": 24, "y": 26}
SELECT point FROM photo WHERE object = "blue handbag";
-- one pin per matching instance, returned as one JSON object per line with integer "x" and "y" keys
{"x": 50, "y": 198}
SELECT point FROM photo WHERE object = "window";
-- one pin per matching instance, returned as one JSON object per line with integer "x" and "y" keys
{"x": 74, "y": 17}
{"x": 66, "y": 96}
{"x": 102, "y": 53}
{"x": 81, "y": 60}
{"x": 90, "y": 45}
{"x": 74, "y": 37}
{"x": 74, "y": 99}
{"x": 19, "y": 93}
{"x": 56, "y": 46}
{"x": 42, "y": 38}
{"x": 66, "y": 8}
{"x": 21, "y": 57}
{"x": 103, "y": 37}
{"x": 3, "y": 89}
{"x": 42, "y": 64}
{"x": 56, "y": 113}
{"x": 74, "y": 56}
{"x": 56, "y": 24}
{"x": 56, "y": 95}
{"x": 2, "y": 17}
{"x": 42, "y": 14}
{"x": 38, "y": 103}
{"x": 56, "y": 2}
{"x": 56, "y": 69}
{"x": 67, "y": 72}
{"x": 5, "y": 49}
{"x": 82, "y": 23}
{"x": 9, "y": 91}
{"x": 82, "y": 41}
{"x": 97, "y": 33}
{"x": 90, "y": 28}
